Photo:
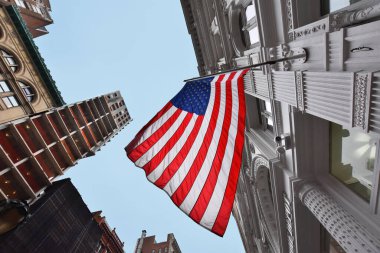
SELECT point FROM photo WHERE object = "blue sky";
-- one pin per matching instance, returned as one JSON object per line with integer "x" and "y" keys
{"x": 141, "y": 48}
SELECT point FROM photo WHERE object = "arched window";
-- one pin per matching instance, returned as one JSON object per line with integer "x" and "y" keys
{"x": 10, "y": 60}
{"x": 7, "y": 95}
{"x": 28, "y": 91}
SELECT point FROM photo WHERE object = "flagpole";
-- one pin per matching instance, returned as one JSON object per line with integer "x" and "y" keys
{"x": 293, "y": 57}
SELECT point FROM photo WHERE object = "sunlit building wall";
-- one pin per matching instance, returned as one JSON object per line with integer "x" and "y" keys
{"x": 148, "y": 244}
{"x": 26, "y": 86}
{"x": 110, "y": 241}
{"x": 34, "y": 150}
{"x": 310, "y": 175}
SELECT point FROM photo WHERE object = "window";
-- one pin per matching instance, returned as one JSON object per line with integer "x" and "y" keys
{"x": 10, "y": 101}
{"x": 10, "y": 60}
{"x": 28, "y": 91}
{"x": 159, "y": 250}
{"x": 4, "y": 86}
{"x": 352, "y": 158}
{"x": 251, "y": 24}
{"x": 166, "y": 249}
{"x": 153, "y": 251}
{"x": 265, "y": 116}
{"x": 7, "y": 95}
{"x": 328, "y": 6}
{"x": 20, "y": 3}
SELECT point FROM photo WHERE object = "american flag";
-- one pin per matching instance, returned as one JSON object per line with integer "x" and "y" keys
{"x": 192, "y": 148}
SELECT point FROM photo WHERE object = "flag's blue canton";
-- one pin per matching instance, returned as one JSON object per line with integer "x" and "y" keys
{"x": 194, "y": 96}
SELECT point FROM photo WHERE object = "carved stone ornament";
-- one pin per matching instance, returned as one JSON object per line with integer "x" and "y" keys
{"x": 346, "y": 18}
{"x": 343, "y": 227}
{"x": 257, "y": 162}
{"x": 264, "y": 193}
{"x": 289, "y": 12}
{"x": 289, "y": 221}
{"x": 360, "y": 100}
{"x": 299, "y": 87}
{"x": 316, "y": 27}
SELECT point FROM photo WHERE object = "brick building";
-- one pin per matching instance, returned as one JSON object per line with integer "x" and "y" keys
{"x": 36, "y": 149}
{"x": 149, "y": 245}
{"x": 110, "y": 241}
{"x": 59, "y": 222}
{"x": 35, "y": 13}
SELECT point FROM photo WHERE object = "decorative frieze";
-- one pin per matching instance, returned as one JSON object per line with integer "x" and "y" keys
{"x": 319, "y": 26}
{"x": 299, "y": 88}
{"x": 342, "y": 226}
{"x": 361, "y": 85}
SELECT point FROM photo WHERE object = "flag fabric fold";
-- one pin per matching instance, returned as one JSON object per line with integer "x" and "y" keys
{"x": 192, "y": 148}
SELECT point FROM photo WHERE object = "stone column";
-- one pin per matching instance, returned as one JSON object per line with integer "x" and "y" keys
{"x": 342, "y": 226}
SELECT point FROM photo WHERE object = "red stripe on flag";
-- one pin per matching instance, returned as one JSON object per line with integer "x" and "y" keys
{"x": 181, "y": 192}
{"x": 134, "y": 142}
{"x": 151, "y": 140}
{"x": 156, "y": 160}
{"x": 208, "y": 188}
{"x": 172, "y": 168}
{"x": 221, "y": 221}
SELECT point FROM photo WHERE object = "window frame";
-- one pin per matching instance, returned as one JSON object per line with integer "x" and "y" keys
{"x": 372, "y": 206}
{"x": 317, "y": 162}
{"x": 251, "y": 24}
{"x": 14, "y": 66}
{"x": 262, "y": 136}
{"x": 9, "y": 97}
{"x": 32, "y": 96}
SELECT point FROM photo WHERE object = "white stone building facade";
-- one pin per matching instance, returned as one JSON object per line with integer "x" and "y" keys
{"x": 310, "y": 175}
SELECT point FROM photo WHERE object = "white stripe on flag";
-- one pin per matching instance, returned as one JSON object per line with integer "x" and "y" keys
{"x": 157, "y": 172}
{"x": 153, "y": 150}
{"x": 156, "y": 125}
{"x": 199, "y": 182}
{"x": 215, "y": 203}
{"x": 181, "y": 173}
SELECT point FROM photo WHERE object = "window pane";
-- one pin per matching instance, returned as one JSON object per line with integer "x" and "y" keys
{"x": 13, "y": 100}
{"x": 270, "y": 121}
{"x": 254, "y": 35}
{"x": 28, "y": 91}
{"x": 338, "y": 4}
{"x": 20, "y": 3}
{"x": 11, "y": 61}
{"x": 7, "y": 102}
{"x": 250, "y": 12}
{"x": 4, "y": 86}
{"x": 353, "y": 154}
{"x": 268, "y": 106}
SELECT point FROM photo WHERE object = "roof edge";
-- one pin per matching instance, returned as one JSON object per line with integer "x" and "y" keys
{"x": 39, "y": 62}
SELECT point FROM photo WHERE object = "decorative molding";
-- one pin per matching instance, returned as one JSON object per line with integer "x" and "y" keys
{"x": 262, "y": 188}
{"x": 343, "y": 227}
{"x": 299, "y": 89}
{"x": 289, "y": 221}
{"x": 257, "y": 162}
{"x": 311, "y": 29}
{"x": 361, "y": 83}
{"x": 349, "y": 17}
{"x": 289, "y": 14}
